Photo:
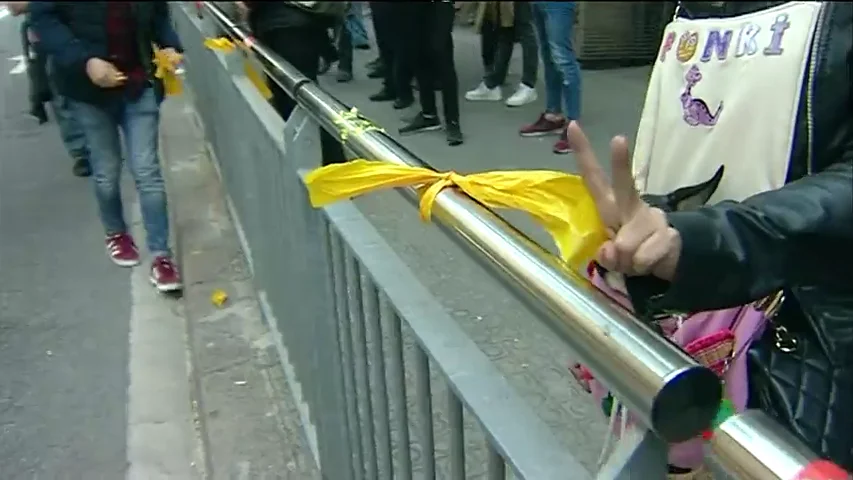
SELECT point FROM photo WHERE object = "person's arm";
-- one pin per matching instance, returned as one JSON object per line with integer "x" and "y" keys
{"x": 55, "y": 38}
{"x": 164, "y": 33}
{"x": 736, "y": 252}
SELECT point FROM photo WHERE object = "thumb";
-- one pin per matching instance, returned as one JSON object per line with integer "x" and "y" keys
{"x": 627, "y": 197}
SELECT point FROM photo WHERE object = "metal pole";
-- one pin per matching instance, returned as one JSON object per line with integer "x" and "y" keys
{"x": 663, "y": 386}
{"x": 753, "y": 446}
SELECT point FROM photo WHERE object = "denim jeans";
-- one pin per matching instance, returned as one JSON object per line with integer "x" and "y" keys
{"x": 354, "y": 22}
{"x": 138, "y": 121}
{"x": 69, "y": 128}
{"x": 555, "y": 23}
{"x": 497, "y": 43}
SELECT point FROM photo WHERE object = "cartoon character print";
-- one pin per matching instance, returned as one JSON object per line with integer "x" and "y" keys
{"x": 696, "y": 110}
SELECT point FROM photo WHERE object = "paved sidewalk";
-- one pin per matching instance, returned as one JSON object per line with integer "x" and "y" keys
{"x": 526, "y": 352}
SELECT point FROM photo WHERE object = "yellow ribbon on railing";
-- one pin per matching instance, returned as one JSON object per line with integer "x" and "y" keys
{"x": 558, "y": 201}
{"x": 166, "y": 67}
{"x": 225, "y": 45}
{"x": 351, "y": 122}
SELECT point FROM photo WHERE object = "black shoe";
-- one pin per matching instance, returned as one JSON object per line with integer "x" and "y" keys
{"x": 383, "y": 96}
{"x": 363, "y": 46}
{"x": 378, "y": 72}
{"x": 400, "y": 103}
{"x": 324, "y": 67}
{"x": 344, "y": 76}
{"x": 454, "y": 134}
{"x": 81, "y": 167}
{"x": 39, "y": 113}
{"x": 420, "y": 124}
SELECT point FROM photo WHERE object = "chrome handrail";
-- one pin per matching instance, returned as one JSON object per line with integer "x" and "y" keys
{"x": 664, "y": 387}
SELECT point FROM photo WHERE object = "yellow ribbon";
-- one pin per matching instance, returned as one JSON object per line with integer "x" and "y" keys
{"x": 351, "y": 122}
{"x": 166, "y": 65}
{"x": 559, "y": 202}
{"x": 225, "y": 45}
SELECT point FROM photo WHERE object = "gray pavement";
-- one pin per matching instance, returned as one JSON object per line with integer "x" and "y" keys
{"x": 64, "y": 308}
{"x": 529, "y": 355}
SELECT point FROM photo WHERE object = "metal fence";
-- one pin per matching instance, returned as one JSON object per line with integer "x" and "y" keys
{"x": 391, "y": 387}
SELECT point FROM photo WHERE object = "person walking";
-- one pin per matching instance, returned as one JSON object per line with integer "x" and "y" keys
{"x": 103, "y": 56}
{"x": 431, "y": 27}
{"x": 43, "y": 90}
{"x": 501, "y": 24}
{"x": 300, "y": 37}
{"x": 554, "y": 22}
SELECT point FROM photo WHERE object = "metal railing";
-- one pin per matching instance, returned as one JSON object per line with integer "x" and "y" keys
{"x": 670, "y": 393}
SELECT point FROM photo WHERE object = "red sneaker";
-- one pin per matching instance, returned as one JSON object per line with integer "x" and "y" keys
{"x": 165, "y": 276}
{"x": 122, "y": 250}
{"x": 562, "y": 146}
{"x": 542, "y": 126}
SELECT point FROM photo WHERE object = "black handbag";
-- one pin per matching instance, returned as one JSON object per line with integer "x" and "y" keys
{"x": 801, "y": 371}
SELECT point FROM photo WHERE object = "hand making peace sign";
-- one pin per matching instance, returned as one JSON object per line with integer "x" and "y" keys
{"x": 641, "y": 240}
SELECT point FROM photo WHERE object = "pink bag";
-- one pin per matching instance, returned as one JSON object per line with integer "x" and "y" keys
{"x": 717, "y": 339}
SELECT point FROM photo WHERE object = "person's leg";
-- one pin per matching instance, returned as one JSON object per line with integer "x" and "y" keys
{"x": 140, "y": 124}
{"x": 504, "y": 43}
{"x": 487, "y": 90}
{"x": 355, "y": 25}
{"x": 405, "y": 54}
{"x": 524, "y": 34}
{"x": 552, "y": 121}
{"x": 101, "y": 129}
{"x": 424, "y": 68}
{"x": 69, "y": 128}
{"x": 441, "y": 50}
{"x": 345, "y": 53}
{"x": 383, "y": 24}
{"x": 559, "y": 24}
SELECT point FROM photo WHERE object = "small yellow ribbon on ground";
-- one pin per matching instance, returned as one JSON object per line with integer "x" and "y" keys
{"x": 558, "y": 201}
{"x": 225, "y": 45}
{"x": 166, "y": 66}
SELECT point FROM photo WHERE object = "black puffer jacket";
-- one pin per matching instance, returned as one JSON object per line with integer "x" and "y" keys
{"x": 265, "y": 17}
{"x": 798, "y": 239}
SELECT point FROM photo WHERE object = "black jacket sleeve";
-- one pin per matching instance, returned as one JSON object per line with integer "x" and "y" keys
{"x": 737, "y": 252}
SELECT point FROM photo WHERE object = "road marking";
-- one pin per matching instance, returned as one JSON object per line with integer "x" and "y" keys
{"x": 20, "y": 66}
{"x": 160, "y": 430}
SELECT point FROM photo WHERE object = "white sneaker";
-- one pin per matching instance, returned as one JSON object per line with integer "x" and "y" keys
{"x": 522, "y": 96}
{"x": 484, "y": 93}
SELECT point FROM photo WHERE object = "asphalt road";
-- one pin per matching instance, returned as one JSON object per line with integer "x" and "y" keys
{"x": 64, "y": 308}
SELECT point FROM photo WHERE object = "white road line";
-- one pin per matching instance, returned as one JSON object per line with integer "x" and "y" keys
{"x": 160, "y": 431}
{"x": 21, "y": 65}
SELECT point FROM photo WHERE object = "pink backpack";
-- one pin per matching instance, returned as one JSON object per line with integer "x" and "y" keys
{"x": 717, "y": 339}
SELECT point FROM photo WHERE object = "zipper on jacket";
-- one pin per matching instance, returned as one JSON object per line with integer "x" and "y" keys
{"x": 814, "y": 56}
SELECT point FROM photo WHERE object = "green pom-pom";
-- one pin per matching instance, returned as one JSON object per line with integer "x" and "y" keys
{"x": 726, "y": 410}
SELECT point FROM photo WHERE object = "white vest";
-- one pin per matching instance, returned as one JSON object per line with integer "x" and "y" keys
{"x": 725, "y": 92}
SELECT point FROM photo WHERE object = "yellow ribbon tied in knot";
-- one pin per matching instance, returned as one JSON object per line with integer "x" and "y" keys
{"x": 225, "y": 45}
{"x": 558, "y": 201}
{"x": 166, "y": 65}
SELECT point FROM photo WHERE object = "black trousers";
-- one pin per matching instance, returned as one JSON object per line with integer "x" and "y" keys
{"x": 302, "y": 47}
{"x": 391, "y": 40}
{"x": 431, "y": 48}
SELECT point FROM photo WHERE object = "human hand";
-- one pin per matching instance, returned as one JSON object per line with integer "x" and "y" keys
{"x": 104, "y": 74}
{"x": 641, "y": 240}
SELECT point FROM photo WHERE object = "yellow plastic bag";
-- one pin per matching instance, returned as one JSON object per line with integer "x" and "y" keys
{"x": 166, "y": 66}
{"x": 559, "y": 202}
{"x": 225, "y": 45}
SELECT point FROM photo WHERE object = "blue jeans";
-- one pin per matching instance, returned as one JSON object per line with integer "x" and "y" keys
{"x": 139, "y": 122}
{"x": 354, "y": 23}
{"x": 69, "y": 128}
{"x": 555, "y": 23}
